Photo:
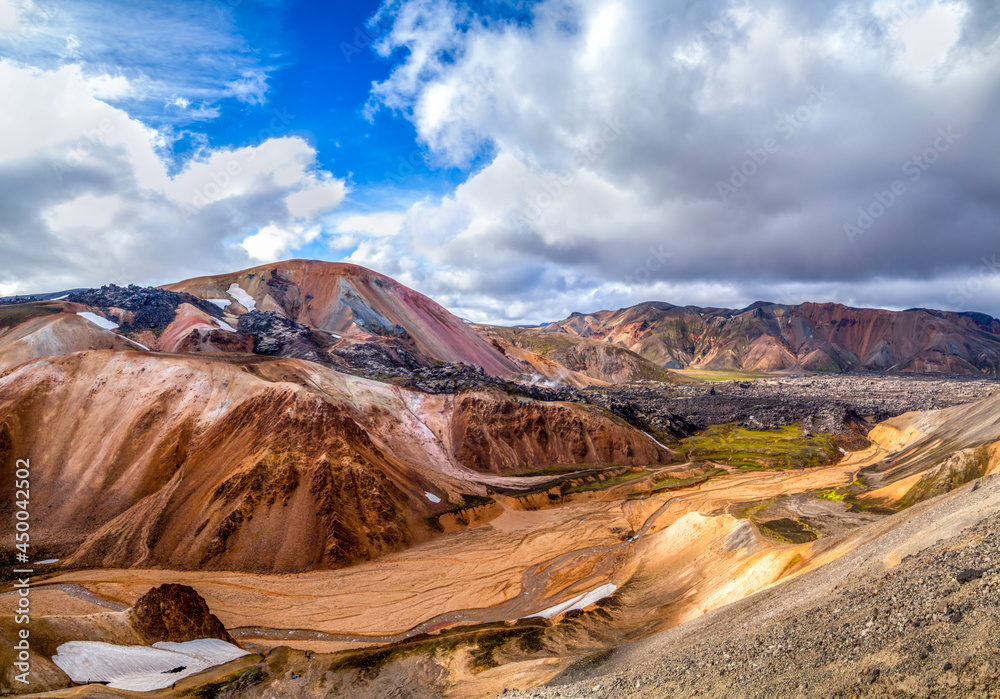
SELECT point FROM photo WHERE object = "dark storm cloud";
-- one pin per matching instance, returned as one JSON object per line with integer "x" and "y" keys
{"x": 750, "y": 136}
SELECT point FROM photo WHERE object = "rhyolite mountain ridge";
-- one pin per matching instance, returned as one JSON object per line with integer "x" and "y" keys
{"x": 767, "y": 337}
{"x": 354, "y": 319}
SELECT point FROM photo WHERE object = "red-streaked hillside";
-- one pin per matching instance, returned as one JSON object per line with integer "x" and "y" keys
{"x": 813, "y": 336}
{"x": 351, "y": 302}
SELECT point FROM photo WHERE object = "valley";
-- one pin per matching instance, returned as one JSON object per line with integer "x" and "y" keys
{"x": 363, "y": 514}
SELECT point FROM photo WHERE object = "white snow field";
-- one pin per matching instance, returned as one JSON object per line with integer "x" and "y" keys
{"x": 245, "y": 299}
{"x": 137, "y": 344}
{"x": 432, "y": 497}
{"x": 141, "y": 668}
{"x": 225, "y": 326}
{"x": 98, "y": 320}
{"x": 221, "y": 303}
{"x": 578, "y": 602}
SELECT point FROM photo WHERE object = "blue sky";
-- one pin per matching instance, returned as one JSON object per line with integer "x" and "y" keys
{"x": 515, "y": 160}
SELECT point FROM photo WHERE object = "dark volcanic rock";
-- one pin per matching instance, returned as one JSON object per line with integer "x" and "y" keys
{"x": 151, "y": 308}
{"x": 380, "y": 360}
{"x": 275, "y": 335}
{"x": 969, "y": 574}
{"x": 175, "y": 613}
{"x": 847, "y": 405}
{"x": 843, "y": 405}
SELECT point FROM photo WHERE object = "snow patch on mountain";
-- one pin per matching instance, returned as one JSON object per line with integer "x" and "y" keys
{"x": 141, "y": 668}
{"x": 98, "y": 320}
{"x": 242, "y": 297}
{"x": 578, "y": 602}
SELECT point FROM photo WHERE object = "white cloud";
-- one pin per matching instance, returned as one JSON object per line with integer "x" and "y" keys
{"x": 86, "y": 212}
{"x": 352, "y": 230}
{"x": 928, "y": 37}
{"x": 379, "y": 225}
{"x": 317, "y": 199}
{"x": 147, "y": 56}
{"x": 108, "y": 87}
{"x": 87, "y": 198}
{"x": 271, "y": 243}
{"x": 251, "y": 87}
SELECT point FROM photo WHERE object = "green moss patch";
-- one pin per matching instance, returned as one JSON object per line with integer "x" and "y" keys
{"x": 793, "y": 531}
{"x": 784, "y": 448}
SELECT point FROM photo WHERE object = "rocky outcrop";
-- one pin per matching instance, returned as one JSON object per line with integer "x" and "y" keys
{"x": 215, "y": 340}
{"x": 275, "y": 335}
{"x": 175, "y": 613}
{"x": 381, "y": 360}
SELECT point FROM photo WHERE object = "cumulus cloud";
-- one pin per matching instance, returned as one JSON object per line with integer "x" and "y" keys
{"x": 712, "y": 153}
{"x": 272, "y": 242}
{"x": 87, "y": 197}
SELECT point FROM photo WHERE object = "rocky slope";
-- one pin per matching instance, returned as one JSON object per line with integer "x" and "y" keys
{"x": 267, "y": 465}
{"x": 574, "y": 360}
{"x": 31, "y": 331}
{"x": 693, "y": 551}
{"x": 812, "y": 336}
{"x": 863, "y": 625}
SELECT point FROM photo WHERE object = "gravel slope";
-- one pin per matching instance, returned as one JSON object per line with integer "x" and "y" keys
{"x": 856, "y": 627}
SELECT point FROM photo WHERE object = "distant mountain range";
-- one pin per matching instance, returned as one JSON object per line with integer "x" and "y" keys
{"x": 769, "y": 337}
